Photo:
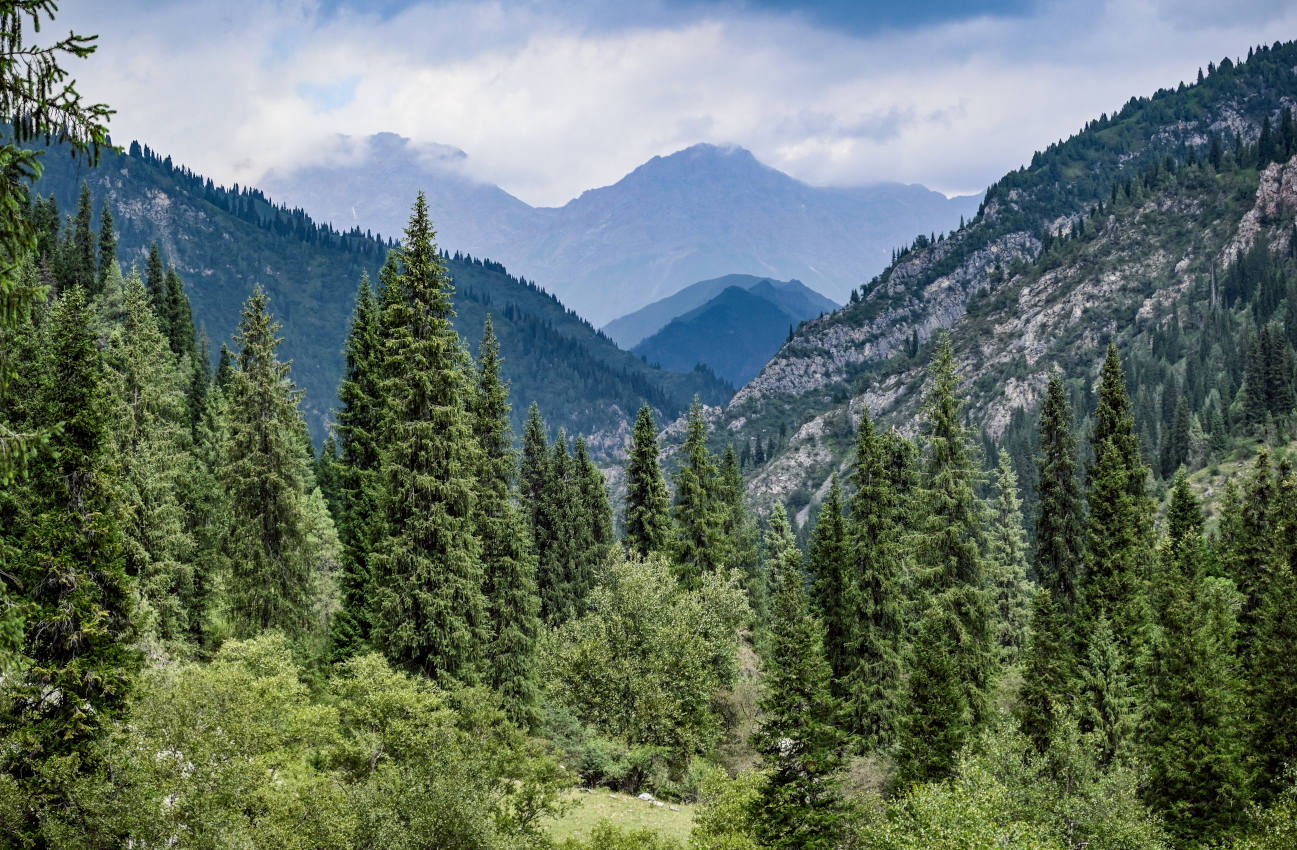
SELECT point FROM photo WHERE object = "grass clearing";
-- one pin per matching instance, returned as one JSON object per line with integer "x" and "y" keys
{"x": 623, "y": 810}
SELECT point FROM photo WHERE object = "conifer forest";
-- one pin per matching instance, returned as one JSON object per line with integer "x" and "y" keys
{"x": 438, "y": 618}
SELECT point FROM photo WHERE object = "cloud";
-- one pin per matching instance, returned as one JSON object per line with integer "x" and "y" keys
{"x": 551, "y": 98}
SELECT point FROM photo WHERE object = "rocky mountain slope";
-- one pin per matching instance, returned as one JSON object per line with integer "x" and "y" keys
{"x": 1123, "y": 232}
{"x": 225, "y": 241}
{"x": 698, "y": 213}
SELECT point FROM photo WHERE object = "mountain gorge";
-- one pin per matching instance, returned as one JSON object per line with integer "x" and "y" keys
{"x": 698, "y": 213}
{"x": 1126, "y": 232}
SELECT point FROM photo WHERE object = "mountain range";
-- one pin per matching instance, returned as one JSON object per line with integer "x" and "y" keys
{"x": 223, "y": 242}
{"x": 735, "y": 331}
{"x": 699, "y": 213}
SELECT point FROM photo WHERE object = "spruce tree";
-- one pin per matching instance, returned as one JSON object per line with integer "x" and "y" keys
{"x": 1120, "y": 516}
{"x": 696, "y": 515}
{"x": 648, "y": 504}
{"x": 430, "y": 611}
{"x": 155, "y": 280}
{"x": 107, "y": 247}
{"x": 359, "y": 510}
{"x": 831, "y": 585}
{"x": 739, "y": 533}
{"x": 594, "y": 513}
{"x": 1192, "y": 737}
{"x": 265, "y": 475}
{"x": 799, "y": 805}
{"x": 1272, "y": 665}
{"x": 179, "y": 317}
{"x": 872, "y": 681}
{"x": 70, "y": 685}
{"x": 152, "y": 438}
{"x": 1252, "y": 545}
{"x": 509, "y": 564}
{"x": 1051, "y": 667}
{"x": 953, "y": 656}
{"x": 82, "y": 265}
{"x": 1006, "y": 564}
{"x": 1108, "y": 706}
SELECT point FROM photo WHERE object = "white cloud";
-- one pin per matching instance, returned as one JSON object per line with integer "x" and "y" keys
{"x": 548, "y": 102}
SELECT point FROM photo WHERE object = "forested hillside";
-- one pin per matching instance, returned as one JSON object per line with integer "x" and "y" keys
{"x": 223, "y": 242}
{"x": 1166, "y": 228}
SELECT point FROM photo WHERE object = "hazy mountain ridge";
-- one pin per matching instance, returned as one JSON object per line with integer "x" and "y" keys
{"x": 224, "y": 242}
{"x": 696, "y": 214}
{"x": 736, "y": 331}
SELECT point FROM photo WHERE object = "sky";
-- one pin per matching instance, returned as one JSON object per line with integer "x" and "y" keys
{"x": 551, "y": 97}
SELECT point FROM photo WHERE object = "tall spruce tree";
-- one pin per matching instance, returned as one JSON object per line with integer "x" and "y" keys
{"x": 831, "y": 585}
{"x": 1120, "y": 515}
{"x": 1271, "y": 666}
{"x": 739, "y": 533}
{"x": 953, "y": 656}
{"x": 178, "y": 315}
{"x": 697, "y": 517}
{"x": 594, "y": 515}
{"x": 1006, "y": 564}
{"x": 800, "y": 804}
{"x": 78, "y": 659}
{"x": 359, "y": 508}
{"x": 155, "y": 280}
{"x": 430, "y": 611}
{"x": 107, "y": 247}
{"x": 1252, "y": 548}
{"x": 1192, "y": 736}
{"x": 82, "y": 265}
{"x": 152, "y": 439}
{"x": 648, "y": 504}
{"x": 509, "y": 564}
{"x": 265, "y": 475}
{"x": 876, "y": 530}
{"x": 1052, "y": 664}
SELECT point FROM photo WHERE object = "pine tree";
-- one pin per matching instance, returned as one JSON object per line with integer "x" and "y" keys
{"x": 1108, "y": 708}
{"x": 107, "y": 247}
{"x": 1050, "y": 673}
{"x": 359, "y": 510}
{"x": 739, "y": 533}
{"x": 152, "y": 435}
{"x": 155, "y": 280}
{"x": 800, "y": 805}
{"x": 648, "y": 504}
{"x": 593, "y": 527}
{"x": 1252, "y": 545}
{"x": 178, "y": 316}
{"x": 831, "y": 585}
{"x": 430, "y": 612}
{"x": 265, "y": 476}
{"x": 1118, "y": 542}
{"x": 82, "y": 266}
{"x": 1006, "y": 564}
{"x": 77, "y": 663}
{"x": 872, "y": 680}
{"x": 1191, "y": 736}
{"x": 954, "y": 651}
{"x": 696, "y": 516}
{"x": 1272, "y": 665}
{"x": 513, "y": 607}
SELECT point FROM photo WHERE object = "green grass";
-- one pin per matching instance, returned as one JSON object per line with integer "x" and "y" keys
{"x": 624, "y": 810}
